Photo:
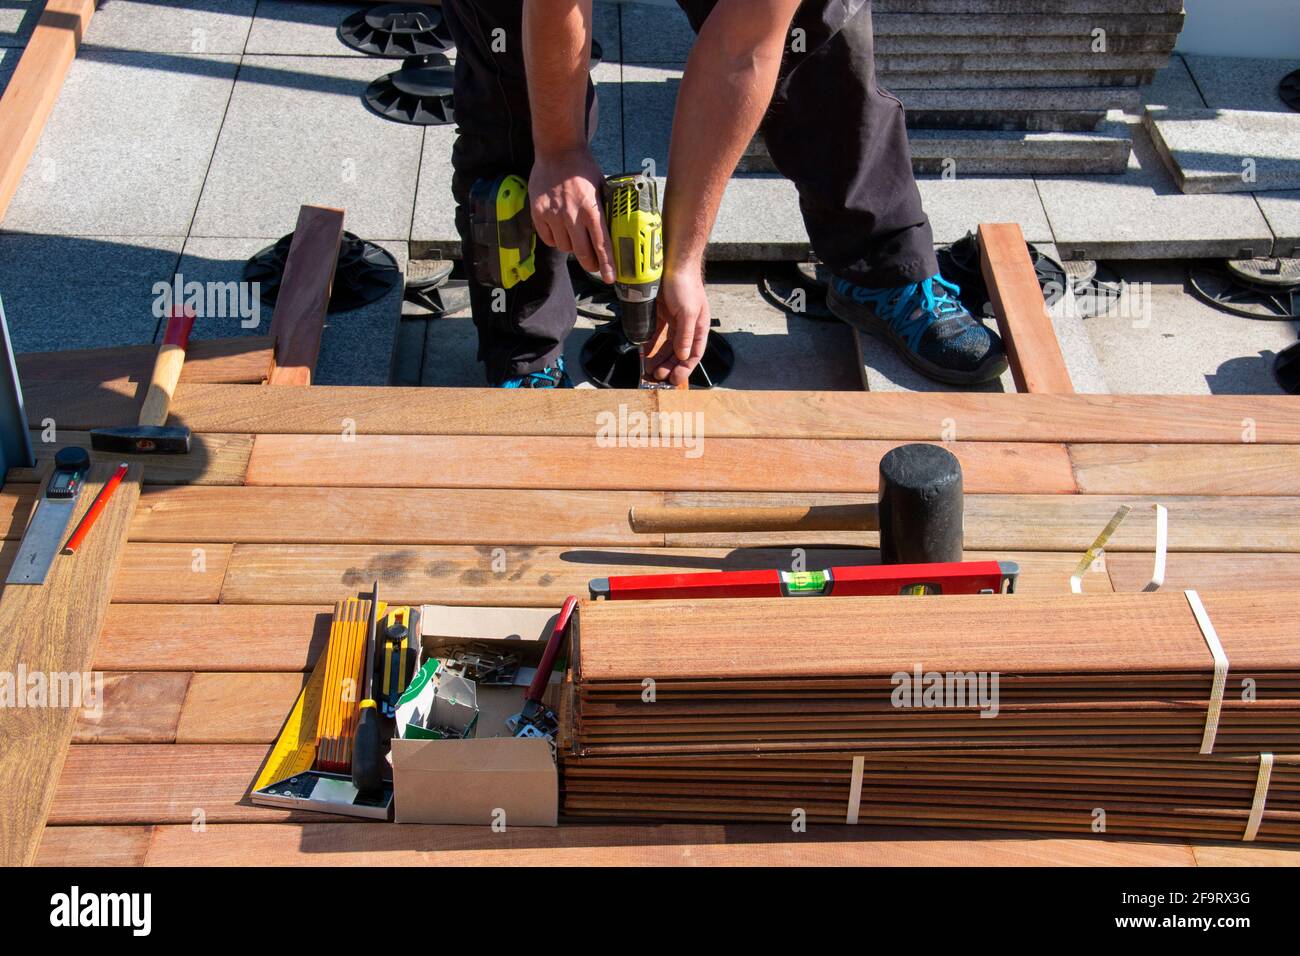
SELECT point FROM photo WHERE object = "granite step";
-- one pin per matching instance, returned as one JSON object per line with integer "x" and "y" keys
{"x": 1027, "y": 7}
{"x": 1036, "y": 45}
{"x": 996, "y": 25}
{"x": 981, "y": 62}
{"x": 998, "y": 152}
{"x": 1011, "y": 79}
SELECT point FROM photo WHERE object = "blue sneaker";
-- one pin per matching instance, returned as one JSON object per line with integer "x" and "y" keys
{"x": 553, "y": 376}
{"x": 928, "y": 325}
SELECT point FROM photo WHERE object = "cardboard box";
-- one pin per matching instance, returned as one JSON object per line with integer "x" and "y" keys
{"x": 494, "y": 777}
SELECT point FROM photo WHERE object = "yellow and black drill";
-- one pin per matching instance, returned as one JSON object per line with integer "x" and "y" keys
{"x": 636, "y": 230}
{"x": 504, "y": 243}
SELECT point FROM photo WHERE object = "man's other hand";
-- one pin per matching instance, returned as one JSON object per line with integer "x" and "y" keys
{"x": 564, "y": 192}
{"x": 684, "y": 307}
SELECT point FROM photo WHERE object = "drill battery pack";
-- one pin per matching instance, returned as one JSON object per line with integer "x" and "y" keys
{"x": 501, "y": 231}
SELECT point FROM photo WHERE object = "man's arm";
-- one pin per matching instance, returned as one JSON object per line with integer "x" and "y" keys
{"x": 725, "y": 91}
{"x": 564, "y": 187}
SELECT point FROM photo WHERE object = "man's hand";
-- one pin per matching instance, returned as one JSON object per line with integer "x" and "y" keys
{"x": 684, "y": 307}
{"x": 564, "y": 192}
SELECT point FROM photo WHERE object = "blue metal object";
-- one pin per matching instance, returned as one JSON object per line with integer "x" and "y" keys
{"x": 15, "y": 441}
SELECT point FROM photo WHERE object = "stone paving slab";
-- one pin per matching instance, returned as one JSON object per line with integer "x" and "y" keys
{"x": 1143, "y": 215}
{"x": 433, "y": 227}
{"x": 356, "y": 347}
{"x": 1174, "y": 87}
{"x": 289, "y": 28}
{"x": 172, "y": 26}
{"x": 17, "y": 20}
{"x": 1223, "y": 151}
{"x": 125, "y": 151}
{"x": 1282, "y": 210}
{"x": 297, "y": 131}
{"x": 76, "y": 292}
{"x": 957, "y": 206}
{"x": 1167, "y": 342}
{"x": 1237, "y": 83}
{"x": 1044, "y": 99}
{"x": 997, "y": 151}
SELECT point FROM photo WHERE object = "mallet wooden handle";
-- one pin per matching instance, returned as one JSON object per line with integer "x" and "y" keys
{"x": 167, "y": 367}
{"x": 863, "y": 517}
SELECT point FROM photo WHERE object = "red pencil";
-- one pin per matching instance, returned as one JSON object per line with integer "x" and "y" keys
{"x": 96, "y": 506}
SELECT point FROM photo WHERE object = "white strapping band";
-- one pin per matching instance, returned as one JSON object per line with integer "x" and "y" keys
{"x": 1220, "y": 671}
{"x": 1162, "y": 549}
{"x": 855, "y": 791}
{"x": 1261, "y": 797}
{"x": 1098, "y": 546}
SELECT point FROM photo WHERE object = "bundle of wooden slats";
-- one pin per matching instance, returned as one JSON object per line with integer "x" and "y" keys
{"x": 750, "y": 709}
{"x": 1070, "y": 791}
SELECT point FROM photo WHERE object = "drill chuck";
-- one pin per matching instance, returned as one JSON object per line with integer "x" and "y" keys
{"x": 638, "y": 321}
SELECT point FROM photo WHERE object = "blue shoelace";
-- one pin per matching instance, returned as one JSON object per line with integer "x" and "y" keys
{"x": 899, "y": 306}
{"x": 550, "y": 377}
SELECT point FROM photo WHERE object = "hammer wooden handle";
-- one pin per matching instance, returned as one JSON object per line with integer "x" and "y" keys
{"x": 167, "y": 368}
{"x": 863, "y": 517}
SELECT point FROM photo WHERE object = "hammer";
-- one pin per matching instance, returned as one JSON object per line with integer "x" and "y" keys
{"x": 153, "y": 436}
{"x": 919, "y": 515}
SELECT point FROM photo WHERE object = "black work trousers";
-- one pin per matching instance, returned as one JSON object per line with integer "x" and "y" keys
{"x": 830, "y": 129}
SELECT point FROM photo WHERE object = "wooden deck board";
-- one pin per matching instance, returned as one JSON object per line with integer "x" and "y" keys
{"x": 1244, "y": 572}
{"x": 237, "y": 708}
{"x": 882, "y": 416}
{"x": 51, "y": 629}
{"x": 222, "y": 637}
{"x": 378, "y": 844}
{"x": 976, "y": 416}
{"x": 304, "y": 294}
{"x": 161, "y": 783}
{"x": 1187, "y": 469}
{"x": 903, "y": 416}
{"x": 719, "y": 464}
{"x": 139, "y": 707}
{"x": 94, "y": 846}
{"x": 1033, "y": 352}
{"x": 159, "y": 573}
{"x": 235, "y": 361}
{"x": 409, "y": 516}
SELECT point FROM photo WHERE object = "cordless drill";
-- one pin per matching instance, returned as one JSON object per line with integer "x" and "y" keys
{"x": 504, "y": 243}
{"x": 636, "y": 229}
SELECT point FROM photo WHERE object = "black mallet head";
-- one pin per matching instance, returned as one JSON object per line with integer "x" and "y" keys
{"x": 142, "y": 440}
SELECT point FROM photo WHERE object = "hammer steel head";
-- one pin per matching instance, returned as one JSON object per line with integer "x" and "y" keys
{"x": 142, "y": 440}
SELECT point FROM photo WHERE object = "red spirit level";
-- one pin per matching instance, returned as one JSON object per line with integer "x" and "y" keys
{"x": 963, "y": 577}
